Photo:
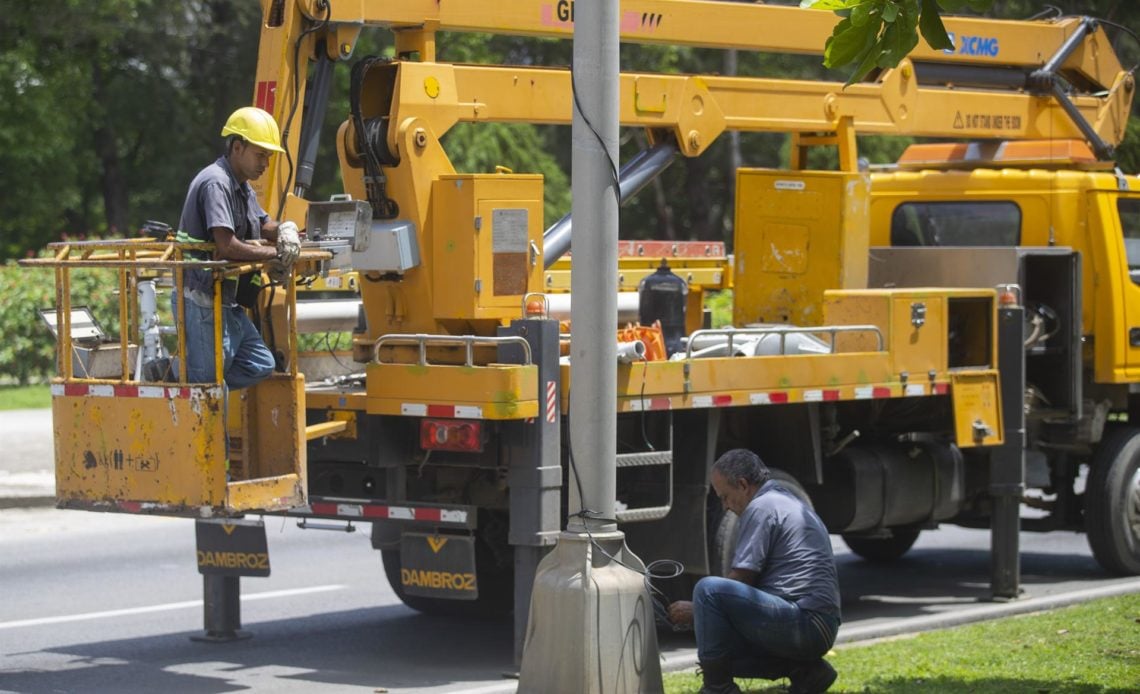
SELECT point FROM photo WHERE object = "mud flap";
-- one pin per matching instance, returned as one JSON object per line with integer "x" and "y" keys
{"x": 438, "y": 566}
{"x": 232, "y": 547}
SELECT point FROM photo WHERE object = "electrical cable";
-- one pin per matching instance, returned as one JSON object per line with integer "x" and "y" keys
{"x": 602, "y": 143}
{"x": 367, "y": 133}
{"x": 660, "y": 600}
{"x": 332, "y": 349}
{"x": 644, "y": 436}
{"x": 1116, "y": 25}
{"x": 326, "y": 5}
{"x": 1130, "y": 32}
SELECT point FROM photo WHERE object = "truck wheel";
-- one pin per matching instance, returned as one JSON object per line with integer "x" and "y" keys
{"x": 722, "y": 542}
{"x": 1112, "y": 502}
{"x": 882, "y": 549}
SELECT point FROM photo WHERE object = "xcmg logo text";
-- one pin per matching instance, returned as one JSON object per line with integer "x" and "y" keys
{"x": 974, "y": 45}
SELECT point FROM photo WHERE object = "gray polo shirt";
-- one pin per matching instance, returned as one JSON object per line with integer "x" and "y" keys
{"x": 787, "y": 546}
{"x": 216, "y": 199}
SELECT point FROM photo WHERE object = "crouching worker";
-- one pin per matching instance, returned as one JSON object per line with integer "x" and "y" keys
{"x": 222, "y": 208}
{"x": 777, "y": 612}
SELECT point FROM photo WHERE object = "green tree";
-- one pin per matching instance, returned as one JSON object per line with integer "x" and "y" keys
{"x": 108, "y": 108}
{"x": 879, "y": 33}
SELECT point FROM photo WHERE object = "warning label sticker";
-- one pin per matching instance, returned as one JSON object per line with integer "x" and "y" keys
{"x": 987, "y": 121}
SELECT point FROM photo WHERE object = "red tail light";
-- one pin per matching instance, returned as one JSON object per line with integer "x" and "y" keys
{"x": 451, "y": 435}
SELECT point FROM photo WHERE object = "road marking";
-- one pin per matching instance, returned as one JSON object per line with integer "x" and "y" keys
{"x": 40, "y": 621}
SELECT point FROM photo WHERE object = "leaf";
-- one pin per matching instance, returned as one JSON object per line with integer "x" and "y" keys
{"x": 866, "y": 62}
{"x": 930, "y": 24}
{"x": 849, "y": 42}
{"x": 824, "y": 4}
{"x": 862, "y": 12}
{"x": 890, "y": 12}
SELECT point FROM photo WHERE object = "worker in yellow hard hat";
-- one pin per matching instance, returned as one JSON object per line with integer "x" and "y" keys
{"x": 221, "y": 208}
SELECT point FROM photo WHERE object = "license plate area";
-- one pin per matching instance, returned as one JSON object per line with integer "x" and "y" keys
{"x": 438, "y": 566}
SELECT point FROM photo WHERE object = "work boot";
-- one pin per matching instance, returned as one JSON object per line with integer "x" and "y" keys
{"x": 717, "y": 674}
{"x": 811, "y": 678}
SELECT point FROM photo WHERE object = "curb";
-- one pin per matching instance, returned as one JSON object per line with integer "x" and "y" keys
{"x": 914, "y": 625}
{"x": 985, "y": 612}
{"x": 982, "y": 613}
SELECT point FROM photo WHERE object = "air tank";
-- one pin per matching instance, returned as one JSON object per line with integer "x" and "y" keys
{"x": 662, "y": 296}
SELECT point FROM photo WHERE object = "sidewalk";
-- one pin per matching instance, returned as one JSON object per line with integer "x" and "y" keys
{"x": 27, "y": 459}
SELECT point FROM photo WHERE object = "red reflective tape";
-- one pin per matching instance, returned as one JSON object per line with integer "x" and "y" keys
{"x": 441, "y": 411}
{"x": 71, "y": 389}
{"x": 270, "y": 96}
{"x": 130, "y": 506}
{"x": 323, "y": 509}
{"x": 721, "y": 400}
{"x": 375, "y": 511}
{"x": 430, "y": 514}
{"x": 831, "y": 395}
{"x": 126, "y": 391}
{"x": 259, "y": 101}
{"x": 551, "y": 402}
{"x": 941, "y": 388}
{"x": 660, "y": 404}
{"x": 777, "y": 398}
{"x": 880, "y": 392}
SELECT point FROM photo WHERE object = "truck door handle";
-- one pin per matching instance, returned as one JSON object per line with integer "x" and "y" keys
{"x": 1134, "y": 337}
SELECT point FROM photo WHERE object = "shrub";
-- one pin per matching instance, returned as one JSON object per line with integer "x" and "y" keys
{"x": 27, "y": 350}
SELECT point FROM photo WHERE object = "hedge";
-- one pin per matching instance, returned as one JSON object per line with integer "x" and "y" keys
{"x": 27, "y": 349}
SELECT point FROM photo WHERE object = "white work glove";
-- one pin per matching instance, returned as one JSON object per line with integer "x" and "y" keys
{"x": 288, "y": 243}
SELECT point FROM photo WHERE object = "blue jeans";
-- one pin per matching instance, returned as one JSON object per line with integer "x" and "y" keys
{"x": 245, "y": 358}
{"x": 765, "y": 636}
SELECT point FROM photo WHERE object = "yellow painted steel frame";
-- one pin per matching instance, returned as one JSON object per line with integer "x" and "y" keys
{"x": 423, "y": 100}
{"x": 1058, "y": 208}
{"x": 913, "y": 362}
{"x": 130, "y": 445}
{"x": 696, "y": 109}
{"x": 495, "y": 391}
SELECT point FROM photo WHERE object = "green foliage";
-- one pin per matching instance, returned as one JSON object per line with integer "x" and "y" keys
{"x": 720, "y": 303}
{"x": 1128, "y": 154}
{"x": 107, "y": 109}
{"x": 27, "y": 352}
{"x": 1093, "y": 647}
{"x": 24, "y": 397}
{"x": 880, "y": 33}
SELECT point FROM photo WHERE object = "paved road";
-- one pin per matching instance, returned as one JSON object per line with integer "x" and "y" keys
{"x": 27, "y": 437}
{"x": 26, "y": 457}
{"x": 106, "y": 603}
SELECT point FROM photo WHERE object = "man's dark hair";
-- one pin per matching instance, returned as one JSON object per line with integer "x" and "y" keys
{"x": 231, "y": 140}
{"x": 742, "y": 464}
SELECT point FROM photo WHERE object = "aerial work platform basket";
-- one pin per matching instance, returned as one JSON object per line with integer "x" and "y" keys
{"x": 132, "y": 434}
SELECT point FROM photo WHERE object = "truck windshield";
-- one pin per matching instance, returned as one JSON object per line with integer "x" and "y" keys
{"x": 1129, "y": 210}
{"x": 956, "y": 224}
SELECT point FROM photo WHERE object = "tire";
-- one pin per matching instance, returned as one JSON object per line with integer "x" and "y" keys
{"x": 722, "y": 542}
{"x": 883, "y": 549}
{"x": 1112, "y": 502}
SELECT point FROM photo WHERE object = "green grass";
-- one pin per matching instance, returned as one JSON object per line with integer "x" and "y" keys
{"x": 1092, "y": 647}
{"x": 24, "y": 397}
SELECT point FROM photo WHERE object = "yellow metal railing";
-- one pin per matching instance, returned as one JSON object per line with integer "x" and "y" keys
{"x": 132, "y": 257}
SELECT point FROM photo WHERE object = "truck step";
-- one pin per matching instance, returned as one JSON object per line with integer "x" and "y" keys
{"x": 646, "y": 458}
{"x": 638, "y": 515}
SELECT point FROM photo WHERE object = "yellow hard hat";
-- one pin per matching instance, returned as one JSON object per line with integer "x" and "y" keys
{"x": 255, "y": 126}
